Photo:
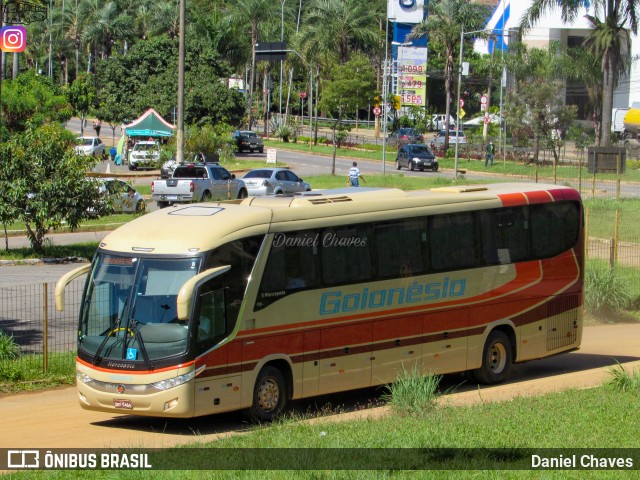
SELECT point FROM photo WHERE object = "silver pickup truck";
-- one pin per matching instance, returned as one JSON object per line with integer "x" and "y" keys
{"x": 197, "y": 183}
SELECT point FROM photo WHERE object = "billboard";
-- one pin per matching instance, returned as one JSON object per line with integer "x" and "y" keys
{"x": 405, "y": 11}
{"x": 412, "y": 74}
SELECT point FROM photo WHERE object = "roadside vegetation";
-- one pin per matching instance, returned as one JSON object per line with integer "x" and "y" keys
{"x": 472, "y": 440}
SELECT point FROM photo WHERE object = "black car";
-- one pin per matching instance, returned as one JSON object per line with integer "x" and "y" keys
{"x": 416, "y": 156}
{"x": 248, "y": 140}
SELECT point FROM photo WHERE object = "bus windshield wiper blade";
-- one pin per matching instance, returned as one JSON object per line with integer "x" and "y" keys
{"x": 116, "y": 327}
{"x": 143, "y": 349}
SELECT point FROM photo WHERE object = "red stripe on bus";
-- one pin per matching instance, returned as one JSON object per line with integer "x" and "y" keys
{"x": 512, "y": 199}
{"x": 133, "y": 372}
{"x": 541, "y": 196}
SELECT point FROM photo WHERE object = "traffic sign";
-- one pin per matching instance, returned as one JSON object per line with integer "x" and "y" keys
{"x": 483, "y": 100}
{"x": 303, "y": 94}
{"x": 377, "y": 110}
{"x": 461, "y": 103}
{"x": 487, "y": 119}
{"x": 462, "y": 113}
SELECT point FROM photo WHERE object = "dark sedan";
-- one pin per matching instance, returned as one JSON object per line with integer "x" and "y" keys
{"x": 416, "y": 156}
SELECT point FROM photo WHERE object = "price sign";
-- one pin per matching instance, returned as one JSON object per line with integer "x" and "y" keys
{"x": 377, "y": 110}
{"x": 411, "y": 99}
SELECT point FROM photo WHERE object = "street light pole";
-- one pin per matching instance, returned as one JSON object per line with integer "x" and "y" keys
{"x": 282, "y": 40}
{"x": 458, "y": 123}
{"x": 385, "y": 94}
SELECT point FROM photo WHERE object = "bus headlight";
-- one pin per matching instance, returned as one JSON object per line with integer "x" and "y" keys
{"x": 173, "y": 382}
{"x": 83, "y": 377}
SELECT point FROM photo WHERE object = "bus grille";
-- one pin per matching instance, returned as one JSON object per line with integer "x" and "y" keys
{"x": 562, "y": 327}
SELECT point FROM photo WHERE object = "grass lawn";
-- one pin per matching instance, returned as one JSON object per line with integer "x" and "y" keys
{"x": 497, "y": 439}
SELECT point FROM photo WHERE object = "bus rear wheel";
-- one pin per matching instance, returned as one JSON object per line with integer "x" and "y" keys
{"x": 269, "y": 395}
{"x": 497, "y": 358}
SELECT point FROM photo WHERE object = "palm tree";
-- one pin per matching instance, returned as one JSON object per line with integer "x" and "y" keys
{"x": 444, "y": 24}
{"x": 246, "y": 16}
{"x": 340, "y": 26}
{"x": 609, "y": 40}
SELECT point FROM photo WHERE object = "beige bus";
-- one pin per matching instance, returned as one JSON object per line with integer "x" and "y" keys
{"x": 248, "y": 304}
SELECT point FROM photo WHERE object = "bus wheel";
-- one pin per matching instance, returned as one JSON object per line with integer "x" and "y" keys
{"x": 497, "y": 358}
{"x": 269, "y": 395}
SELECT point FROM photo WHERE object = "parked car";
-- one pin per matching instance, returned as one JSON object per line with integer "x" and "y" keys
{"x": 416, "y": 156}
{"x": 438, "y": 121}
{"x": 124, "y": 198}
{"x": 274, "y": 181}
{"x": 454, "y": 137}
{"x": 200, "y": 182}
{"x": 144, "y": 155}
{"x": 168, "y": 167}
{"x": 248, "y": 140}
{"x": 404, "y": 136}
{"x": 89, "y": 146}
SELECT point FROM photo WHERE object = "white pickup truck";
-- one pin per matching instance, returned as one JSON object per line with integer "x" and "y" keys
{"x": 197, "y": 183}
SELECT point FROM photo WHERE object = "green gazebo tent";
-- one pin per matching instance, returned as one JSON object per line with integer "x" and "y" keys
{"x": 150, "y": 124}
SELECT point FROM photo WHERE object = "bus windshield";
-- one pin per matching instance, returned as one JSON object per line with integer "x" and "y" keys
{"x": 129, "y": 312}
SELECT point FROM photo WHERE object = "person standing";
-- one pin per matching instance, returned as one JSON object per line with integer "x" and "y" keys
{"x": 354, "y": 176}
{"x": 491, "y": 150}
{"x": 97, "y": 126}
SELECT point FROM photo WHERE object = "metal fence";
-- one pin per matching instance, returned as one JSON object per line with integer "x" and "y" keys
{"x": 47, "y": 338}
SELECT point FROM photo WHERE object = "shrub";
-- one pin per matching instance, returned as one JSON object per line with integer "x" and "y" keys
{"x": 623, "y": 381}
{"x": 9, "y": 349}
{"x": 412, "y": 392}
{"x": 605, "y": 290}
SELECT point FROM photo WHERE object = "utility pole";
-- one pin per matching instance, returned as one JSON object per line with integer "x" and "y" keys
{"x": 181, "y": 54}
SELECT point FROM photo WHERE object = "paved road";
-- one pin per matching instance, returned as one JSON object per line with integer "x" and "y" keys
{"x": 54, "y": 419}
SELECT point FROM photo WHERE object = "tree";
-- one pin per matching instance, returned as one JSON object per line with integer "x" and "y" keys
{"x": 351, "y": 86}
{"x": 340, "y": 26}
{"x": 34, "y": 98}
{"x": 145, "y": 77}
{"x": 444, "y": 24}
{"x": 81, "y": 94}
{"x": 609, "y": 40}
{"x": 44, "y": 183}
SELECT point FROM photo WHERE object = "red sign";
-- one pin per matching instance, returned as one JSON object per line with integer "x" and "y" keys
{"x": 303, "y": 94}
{"x": 461, "y": 103}
{"x": 487, "y": 119}
{"x": 377, "y": 110}
{"x": 483, "y": 100}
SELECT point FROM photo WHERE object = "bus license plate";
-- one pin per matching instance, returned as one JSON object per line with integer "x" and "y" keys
{"x": 120, "y": 403}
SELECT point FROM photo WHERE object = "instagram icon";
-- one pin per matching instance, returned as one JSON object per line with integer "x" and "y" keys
{"x": 13, "y": 39}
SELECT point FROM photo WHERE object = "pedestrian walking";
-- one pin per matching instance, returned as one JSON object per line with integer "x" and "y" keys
{"x": 97, "y": 126}
{"x": 491, "y": 150}
{"x": 354, "y": 176}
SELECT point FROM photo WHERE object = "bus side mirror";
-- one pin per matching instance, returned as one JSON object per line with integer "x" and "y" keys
{"x": 64, "y": 281}
{"x": 185, "y": 295}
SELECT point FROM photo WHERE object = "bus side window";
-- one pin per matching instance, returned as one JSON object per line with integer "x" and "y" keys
{"x": 346, "y": 255}
{"x": 555, "y": 228}
{"x": 292, "y": 263}
{"x": 505, "y": 236}
{"x": 452, "y": 241}
{"x": 400, "y": 248}
{"x": 212, "y": 321}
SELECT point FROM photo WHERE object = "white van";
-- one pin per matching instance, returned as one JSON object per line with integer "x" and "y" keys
{"x": 438, "y": 121}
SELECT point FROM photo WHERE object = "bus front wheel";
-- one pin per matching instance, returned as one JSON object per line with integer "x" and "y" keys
{"x": 497, "y": 358}
{"x": 269, "y": 395}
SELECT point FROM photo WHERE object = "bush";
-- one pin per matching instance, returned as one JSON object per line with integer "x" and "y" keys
{"x": 9, "y": 349}
{"x": 623, "y": 381}
{"x": 412, "y": 392}
{"x": 605, "y": 291}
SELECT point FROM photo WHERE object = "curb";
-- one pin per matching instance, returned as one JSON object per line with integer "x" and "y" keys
{"x": 42, "y": 261}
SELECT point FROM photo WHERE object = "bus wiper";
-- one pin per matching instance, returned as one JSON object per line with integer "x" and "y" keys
{"x": 138, "y": 336}
{"x": 116, "y": 327}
